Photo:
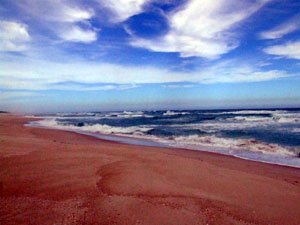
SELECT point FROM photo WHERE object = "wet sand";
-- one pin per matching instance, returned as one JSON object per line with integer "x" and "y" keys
{"x": 59, "y": 177}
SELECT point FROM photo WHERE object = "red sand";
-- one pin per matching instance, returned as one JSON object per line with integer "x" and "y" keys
{"x": 58, "y": 177}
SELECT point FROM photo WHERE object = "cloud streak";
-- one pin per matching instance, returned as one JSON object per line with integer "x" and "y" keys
{"x": 289, "y": 50}
{"x": 283, "y": 29}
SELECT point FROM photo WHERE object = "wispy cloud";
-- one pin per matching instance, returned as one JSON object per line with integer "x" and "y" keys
{"x": 13, "y": 36}
{"x": 65, "y": 18}
{"x": 203, "y": 28}
{"x": 283, "y": 29}
{"x": 287, "y": 50}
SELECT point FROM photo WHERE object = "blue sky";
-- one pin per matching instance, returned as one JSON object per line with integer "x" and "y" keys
{"x": 59, "y": 55}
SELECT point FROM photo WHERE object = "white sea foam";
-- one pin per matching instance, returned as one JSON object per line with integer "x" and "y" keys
{"x": 247, "y": 112}
{"x": 258, "y": 111}
{"x": 104, "y": 129}
{"x": 295, "y": 130}
{"x": 277, "y": 118}
{"x": 128, "y": 114}
{"x": 133, "y": 112}
{"x": 133, "y": 116}
{"x": 229, "y": 143}
{"x": 215, "y": 126}
{"x": 288, "y": 120}
{"x": 274, "y": 113}
{"x": 172, "y": 113}
{"x": 250, "y": 119}
{"x": 78, "y": 114}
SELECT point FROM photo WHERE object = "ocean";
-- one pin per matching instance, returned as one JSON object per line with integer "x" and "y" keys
{"x": 265, "y": 135}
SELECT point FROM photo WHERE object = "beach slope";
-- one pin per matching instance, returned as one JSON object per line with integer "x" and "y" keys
{"x": 59, "y": 177}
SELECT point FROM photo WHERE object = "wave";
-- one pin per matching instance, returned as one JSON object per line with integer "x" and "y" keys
{"x": 128, "y": 114}
{"x": 173, "y": 113}
{"x": 258, "y": 111}
{"x": 94, "y": 128}
{"x": 277, "y": 118}
{"x": 134, "y": 116}
{"x": 215, "y": 126}
{"x": 250, "y": 119}
{"x": 295, "y": 130}
{"x": 287, "y": 120}
{"x": 106, "y": 129}
{"x": 250, "y": 112}
{"x": 257, "y": 117}
{"x": 133, "y": 112}
{"x": 236, "y": 144}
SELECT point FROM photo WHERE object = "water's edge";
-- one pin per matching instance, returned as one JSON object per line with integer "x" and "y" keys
{"x": 151, "y": 143}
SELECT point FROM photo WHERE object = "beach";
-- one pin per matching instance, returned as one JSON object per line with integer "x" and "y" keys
{"x": 50, "y": 176}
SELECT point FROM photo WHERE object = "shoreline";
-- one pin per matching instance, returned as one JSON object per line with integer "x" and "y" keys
{"x": 151, "y": 143}
{"x": 52, "y": 176}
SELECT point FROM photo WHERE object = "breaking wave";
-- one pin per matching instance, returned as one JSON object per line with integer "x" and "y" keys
{"x": 95, "y": 128}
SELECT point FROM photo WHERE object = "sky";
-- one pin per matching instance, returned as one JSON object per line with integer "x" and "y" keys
{"x": 60, "y": 55}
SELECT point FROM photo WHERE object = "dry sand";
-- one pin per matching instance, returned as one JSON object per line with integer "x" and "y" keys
{"x": 58, "y": 177}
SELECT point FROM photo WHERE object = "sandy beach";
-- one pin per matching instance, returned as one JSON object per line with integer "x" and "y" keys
{"x": 59, "y": 177}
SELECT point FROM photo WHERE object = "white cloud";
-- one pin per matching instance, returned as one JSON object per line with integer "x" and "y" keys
{"x": 283, "y": 29}
{"x": 63, "y": 17}
{"x": 13, "y": 36}
{"x": 203, "y": 28}
{"x": 123, "y": 9}
{"x": 77, "y": 34}
{"x": 288, "y": 50}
